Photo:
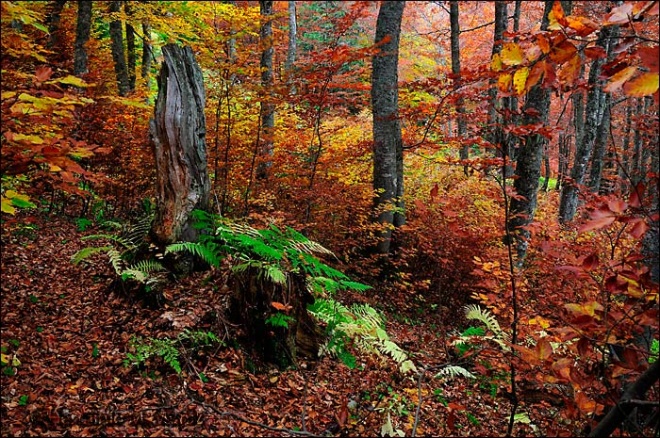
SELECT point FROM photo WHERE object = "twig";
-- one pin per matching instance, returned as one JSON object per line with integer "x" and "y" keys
{"x": 419, "y": 399}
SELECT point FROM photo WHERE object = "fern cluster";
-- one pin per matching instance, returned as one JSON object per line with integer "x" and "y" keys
{"x": 276, "y": 254}
{"x": 122, "y": 251}
{"x": 362, "y": 325}
{"x": 169, "y": 349}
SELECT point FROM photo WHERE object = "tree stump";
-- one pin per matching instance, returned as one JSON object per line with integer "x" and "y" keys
{"x": 178, "y": 132}
{"x": 252, "y": 305}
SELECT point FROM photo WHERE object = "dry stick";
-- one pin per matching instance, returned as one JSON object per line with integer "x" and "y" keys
{"x": 514, "y": 301}
{"x": 624, "y": 407}
{"x": 420, "y": 381}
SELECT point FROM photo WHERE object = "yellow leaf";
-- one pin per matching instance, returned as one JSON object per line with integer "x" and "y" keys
{"x": 520, "y": 79}
{"x": 7, "y": 206}
{"x": 70, "y": 80}
{"x": 617, "y": 80}
{"x": 556, "y": 16}
{"x": 496, "y": 63}
{"x": 504, "y": 82}
{"x": 511, "y": 54}
{"x": 643, "y": 85}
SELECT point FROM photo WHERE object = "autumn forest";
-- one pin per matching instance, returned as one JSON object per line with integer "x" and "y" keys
{"x": 330, "y": 218}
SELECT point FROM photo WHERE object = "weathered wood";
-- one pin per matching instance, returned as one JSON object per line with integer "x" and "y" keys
{"x": 178, "y": 132}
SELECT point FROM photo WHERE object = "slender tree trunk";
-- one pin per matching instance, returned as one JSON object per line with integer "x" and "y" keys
{"x": 267, "y": 105}
{"x": 83, "y": 27}
{"x": 388, "y": 143}
{"x": 117, "y": 48}
{"x": 595, "y": 107}
{"x": 496, "y": 134}
{"x": 147, "y": 53}
{"x": 624, "y": 168}
{"x": 178, "y": 132}
{"x": 456, "y": 72}
{"x": 528, "y": 164}
{"x": 53, "y": 19}
{"x": 600, "y": 147}
{"x": 132, "y": 56}
{"x": 564, "y": 157}
{"x": 293, "y": 44}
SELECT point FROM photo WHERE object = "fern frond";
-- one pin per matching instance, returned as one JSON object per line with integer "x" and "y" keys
{"x": 203, "y": 251}
{"x": 453, "y": 371}
{"x": 117, "y": 239}
{"x": 487, "y": 318}
{"x": 88, "y": 252}
{"x": 134, "y": 274}
{"x": 147, "y": 266}
{"x": 116, "y": 261}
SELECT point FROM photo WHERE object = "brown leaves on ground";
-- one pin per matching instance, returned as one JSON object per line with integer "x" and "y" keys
{"x": 69, "y": 334}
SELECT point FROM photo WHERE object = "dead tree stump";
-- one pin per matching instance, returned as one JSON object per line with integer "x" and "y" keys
{"x": 178, "y": 132}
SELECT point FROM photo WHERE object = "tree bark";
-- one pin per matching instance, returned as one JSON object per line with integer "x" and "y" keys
{"x": 528, "y": 164}
{"x": 388, "y": 143}
{"x": 267, "y": 106}
{"x": 178, "y": 132}
{"x": 147, "y": 53}
{"x": 595, "y": 107}
{"x": 53, "y": 17}
{"x": 293, "y": 39}
{"x": 83, "y": 27}
{"x": 117, "y": 48}
{"x": 456, "y": 73}
{"x": 600, "y": 147}
{"x": 130, "y": 52}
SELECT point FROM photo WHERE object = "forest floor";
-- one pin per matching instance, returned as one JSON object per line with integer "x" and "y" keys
{"x": 67, "y": 335}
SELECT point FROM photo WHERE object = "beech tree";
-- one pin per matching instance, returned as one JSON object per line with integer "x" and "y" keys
{"x": 83, "y": 27}
{"x": 388, "y": 144}
{"x": 528, "y": 163}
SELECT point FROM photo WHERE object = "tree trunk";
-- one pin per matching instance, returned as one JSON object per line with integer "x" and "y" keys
{"x": 293, "y": 39}
{"x": 496, "y": 135}
{"x": 595, "y": 107}
{"x": 251, "y": 307}
{"x": 117, "y": 48}
{"x": 600, "y": 147}
{"x": 147, "y": 54}
{"x": 130, "y": 52}
{"x": 456, "y": 72}
{"x": 267, "y": 105}
{"x": 388, "y": 144}
{"x": 528, "y": 164}
{"x": 83, "y": 27}
{"x": 178, "y": 132}
{"x": 53, "y": 20}
{"x": 617, "y": 414}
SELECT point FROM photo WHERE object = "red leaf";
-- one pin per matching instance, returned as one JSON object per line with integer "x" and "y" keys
{"x": 601, "y": 218}
{"x": 617, "y": 205}
{"x": 590, "y": 262}
{"x": 639, "y": 229}
{"x": 634, "y": 200}
{"x": 43, "y": 73}
{"x": 434, "y": 192}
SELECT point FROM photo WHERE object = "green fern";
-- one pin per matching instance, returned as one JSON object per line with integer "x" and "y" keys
{"x": 363, "y": 325}
{"x": 484, "y": 316}
{"x": 88, "y": 252}
{"x": 168, "y": 349}
{"x": 205, "y": 252}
